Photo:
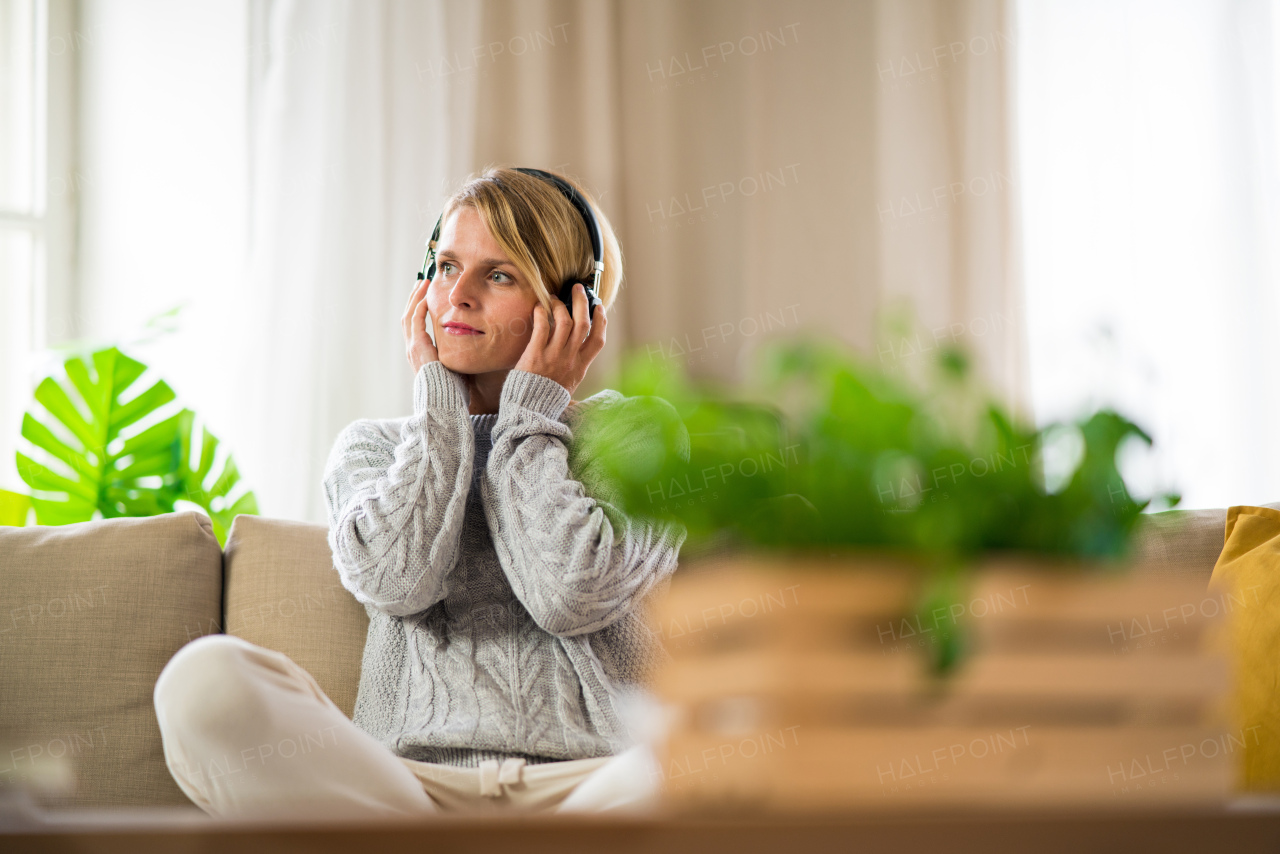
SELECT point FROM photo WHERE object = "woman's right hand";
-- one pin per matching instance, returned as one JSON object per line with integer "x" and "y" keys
{"x": 418, "y": 347}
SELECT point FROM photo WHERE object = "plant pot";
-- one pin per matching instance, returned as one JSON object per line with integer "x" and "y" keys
{"x": 797, "y": 683}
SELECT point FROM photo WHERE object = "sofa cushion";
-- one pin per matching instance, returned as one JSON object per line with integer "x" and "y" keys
{"x": 1181, "y": 542}
{"x": 90, "y": 613}
{"x": 1249, "y": 572}
{"x": 283, "y": 593}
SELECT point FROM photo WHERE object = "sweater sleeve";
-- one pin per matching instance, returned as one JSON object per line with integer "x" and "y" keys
{"x": 577, "y": 564}
{"x": 396, "y": 504}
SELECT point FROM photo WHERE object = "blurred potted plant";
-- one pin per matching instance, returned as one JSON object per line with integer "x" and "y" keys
{"x": 840, "y": 518}
{"x": 110, "y": 468}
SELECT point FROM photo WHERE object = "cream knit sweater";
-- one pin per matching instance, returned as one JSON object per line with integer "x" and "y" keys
{"x": 503, "y": 587}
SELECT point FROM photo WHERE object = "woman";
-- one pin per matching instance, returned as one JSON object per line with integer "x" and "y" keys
{"x": 506, "y": 644}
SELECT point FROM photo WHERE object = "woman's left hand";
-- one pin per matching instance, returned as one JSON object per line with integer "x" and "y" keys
{"x": 565, "y": 354}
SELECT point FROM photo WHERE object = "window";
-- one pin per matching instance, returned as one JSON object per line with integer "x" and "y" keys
{"x": 1148, "y": 133}
{"x": 38, "y": 187}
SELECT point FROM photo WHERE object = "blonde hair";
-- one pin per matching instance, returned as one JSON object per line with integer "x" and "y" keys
{"x": 541, "y": 231}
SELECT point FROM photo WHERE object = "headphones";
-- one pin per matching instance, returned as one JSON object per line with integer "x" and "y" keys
{"x": 565, "y": 295}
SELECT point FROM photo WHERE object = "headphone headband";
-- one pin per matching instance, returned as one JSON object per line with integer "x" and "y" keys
{"x": 580, "y": 205}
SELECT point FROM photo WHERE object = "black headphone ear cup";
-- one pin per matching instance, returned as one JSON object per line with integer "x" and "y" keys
{"x": 566, "y": 297}
{"x": 430, "y": 272}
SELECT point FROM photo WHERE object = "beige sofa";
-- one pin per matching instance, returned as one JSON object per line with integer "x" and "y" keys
{"x": 90, "y": 613}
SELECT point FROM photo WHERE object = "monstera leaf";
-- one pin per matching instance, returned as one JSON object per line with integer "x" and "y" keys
{"x": 214, "y": 498}
{"x": 141, "y": 474}
{"x": 106, "y": 470}
{"x": 13, "y": 508}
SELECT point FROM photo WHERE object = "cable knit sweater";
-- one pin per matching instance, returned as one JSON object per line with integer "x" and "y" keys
{"x": 504, "y": 590}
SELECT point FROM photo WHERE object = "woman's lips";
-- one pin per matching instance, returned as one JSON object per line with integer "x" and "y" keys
{"x": 461, "y": 329}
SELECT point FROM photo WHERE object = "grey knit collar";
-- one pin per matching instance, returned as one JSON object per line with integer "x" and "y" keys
{"x": 483, "y": 424}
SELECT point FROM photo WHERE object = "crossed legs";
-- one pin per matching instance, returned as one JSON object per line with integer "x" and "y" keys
{"x": 248, "y": 733}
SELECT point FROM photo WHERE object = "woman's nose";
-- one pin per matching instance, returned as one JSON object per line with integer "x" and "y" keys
{"x": 463, "y": 292}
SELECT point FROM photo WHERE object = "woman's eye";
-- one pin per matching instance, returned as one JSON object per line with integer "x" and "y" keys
{"x": 501, "y": 277}
{"x": 446, "y": 268}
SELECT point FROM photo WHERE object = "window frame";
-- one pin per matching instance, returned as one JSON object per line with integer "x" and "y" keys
{"x": 51, "y": 289}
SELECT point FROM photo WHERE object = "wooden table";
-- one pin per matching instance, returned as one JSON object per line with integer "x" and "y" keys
{"x": 1247, "y": 825}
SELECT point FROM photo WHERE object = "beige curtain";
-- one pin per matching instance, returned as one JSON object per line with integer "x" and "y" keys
{"x": 770, "y": 167}
{"x": 774, "y": 166}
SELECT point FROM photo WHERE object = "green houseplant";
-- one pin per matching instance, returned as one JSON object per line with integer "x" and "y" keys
{"x": 108, "y": 467}
{"x": 869, "y": 515}
{"x": 823, "y": 449}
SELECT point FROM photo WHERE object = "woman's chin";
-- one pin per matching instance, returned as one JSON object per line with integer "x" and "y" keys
{"x": 456, "y": 363}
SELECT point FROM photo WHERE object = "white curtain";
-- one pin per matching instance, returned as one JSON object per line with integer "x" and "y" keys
{"x": 352, "y": 142}
{"x": 758, "y": 159}
{"x": 1149, "y": 134}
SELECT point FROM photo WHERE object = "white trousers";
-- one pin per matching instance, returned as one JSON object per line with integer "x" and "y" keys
{"x": 248, "y": 733}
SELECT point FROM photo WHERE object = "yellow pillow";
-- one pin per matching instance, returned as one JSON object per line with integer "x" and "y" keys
{"x": 1250, "y": 565}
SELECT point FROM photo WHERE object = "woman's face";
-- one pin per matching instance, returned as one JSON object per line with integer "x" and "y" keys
{"x": 476, "y": 285}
